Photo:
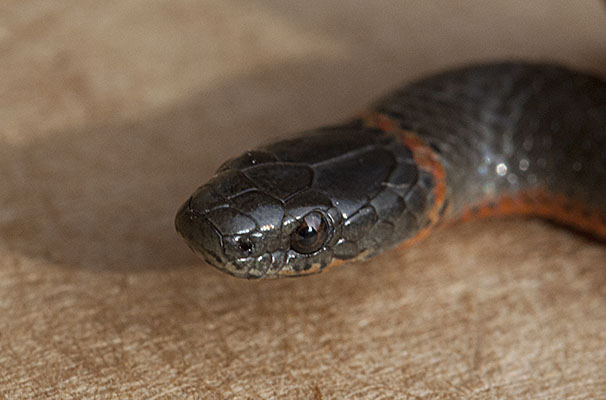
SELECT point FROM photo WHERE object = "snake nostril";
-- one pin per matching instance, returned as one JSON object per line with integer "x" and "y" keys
{"x": 245, "y": 246}
{"x": 189, "y": 206}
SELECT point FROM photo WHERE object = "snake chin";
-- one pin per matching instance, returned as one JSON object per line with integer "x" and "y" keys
{"x": 270, "y": 265}
{"x": 278, "y": 264}
{"x": 264, "y": 266}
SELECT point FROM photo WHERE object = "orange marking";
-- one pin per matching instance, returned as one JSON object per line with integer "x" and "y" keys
{"x": 540, "y": 203}
{"x": 425, "y": 158}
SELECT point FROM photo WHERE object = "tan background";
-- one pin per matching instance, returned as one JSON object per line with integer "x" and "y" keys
{"x": 112, "y": 112}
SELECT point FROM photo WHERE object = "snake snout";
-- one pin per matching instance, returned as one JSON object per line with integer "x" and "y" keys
{"x": 222, "y": 236}
{"x": 199, "y": 233}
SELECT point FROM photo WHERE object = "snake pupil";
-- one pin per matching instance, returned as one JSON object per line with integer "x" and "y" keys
{"x": 245, "y": 246}
{"x": 310, "y": 235}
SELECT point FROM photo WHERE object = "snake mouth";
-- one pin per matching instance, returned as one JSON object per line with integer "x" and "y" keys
{"x": 267, "y": 265}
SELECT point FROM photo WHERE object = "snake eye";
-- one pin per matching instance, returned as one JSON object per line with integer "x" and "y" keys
{"x": 311, "y": 233}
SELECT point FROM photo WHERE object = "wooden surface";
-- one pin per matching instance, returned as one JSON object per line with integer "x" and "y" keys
{"x": 112, "y": 112}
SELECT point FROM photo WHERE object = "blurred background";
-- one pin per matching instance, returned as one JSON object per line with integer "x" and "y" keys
{"x": 112, "y": 113}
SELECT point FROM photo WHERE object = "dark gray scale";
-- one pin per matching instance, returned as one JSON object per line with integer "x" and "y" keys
{"x": 306, "y": 201}
{"x": 229, "y": 221}
{"x": 362, "y": 178}
{"x": 264, "y": 209}
{"x": 345, "y": 250}
{"x": 358, "y": 225}
{"x": 280, "y": 180}
{"x": 327, "y": 145}
{"x": 248, "y": 159}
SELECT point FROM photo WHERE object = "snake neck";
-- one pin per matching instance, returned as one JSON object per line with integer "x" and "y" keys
{"x": 511, "y": 139}
{"x": 427, "y": 160}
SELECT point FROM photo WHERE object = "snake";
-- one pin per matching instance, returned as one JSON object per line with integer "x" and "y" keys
{"x": 492, "y": 139}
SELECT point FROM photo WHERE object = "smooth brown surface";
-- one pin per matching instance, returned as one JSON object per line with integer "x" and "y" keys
{"x": 112, "y": 112}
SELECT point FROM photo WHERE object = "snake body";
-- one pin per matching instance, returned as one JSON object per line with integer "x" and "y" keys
{"x": 492, "y": 139}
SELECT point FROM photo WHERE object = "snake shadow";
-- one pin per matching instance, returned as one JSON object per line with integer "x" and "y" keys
{"x": 104, "y": 197}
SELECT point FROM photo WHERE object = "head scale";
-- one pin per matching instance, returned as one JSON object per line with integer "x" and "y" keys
{"x": 300, "y": 205}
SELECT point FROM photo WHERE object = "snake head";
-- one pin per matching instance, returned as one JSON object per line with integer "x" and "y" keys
{"x": 300, "y": 205}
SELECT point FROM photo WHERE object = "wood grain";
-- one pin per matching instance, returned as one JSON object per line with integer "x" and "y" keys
{"x": 111, "y": 113}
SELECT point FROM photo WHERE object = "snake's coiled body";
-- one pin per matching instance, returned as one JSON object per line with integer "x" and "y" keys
{"x": 510, "y": 138}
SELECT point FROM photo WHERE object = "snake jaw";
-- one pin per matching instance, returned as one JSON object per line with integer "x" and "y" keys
{"x": 267, "y": 265}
